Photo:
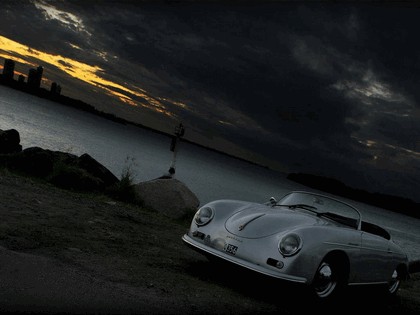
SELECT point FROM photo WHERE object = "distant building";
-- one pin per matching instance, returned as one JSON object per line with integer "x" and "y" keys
{"x": 21, "y": 79}
{"x": 35, "y": 77}
{"x": 55, "y": 88}
{"x": 32, "y": 77}
{"x": 8, "y": 69}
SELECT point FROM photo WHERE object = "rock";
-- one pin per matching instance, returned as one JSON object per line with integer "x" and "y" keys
{"x": 168, "y": 196}
{"x": 9, "y": 141}
{"x": 66, "y": 170}
{"x": 96, "y": 169}
{"x": 40, "y": 162}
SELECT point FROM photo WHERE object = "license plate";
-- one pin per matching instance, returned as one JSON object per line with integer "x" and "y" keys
{"x": 230, "y": 249}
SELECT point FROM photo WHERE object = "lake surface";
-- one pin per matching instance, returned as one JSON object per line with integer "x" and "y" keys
{"x": 210, "y": 175}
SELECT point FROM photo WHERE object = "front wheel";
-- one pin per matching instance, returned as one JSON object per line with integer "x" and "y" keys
{"x": 328, "y": 280}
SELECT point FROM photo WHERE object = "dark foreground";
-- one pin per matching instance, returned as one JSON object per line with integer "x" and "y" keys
{"x": 66, "y": 252}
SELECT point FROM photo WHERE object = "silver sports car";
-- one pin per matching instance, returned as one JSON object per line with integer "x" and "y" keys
{"x": 304, "y": 237}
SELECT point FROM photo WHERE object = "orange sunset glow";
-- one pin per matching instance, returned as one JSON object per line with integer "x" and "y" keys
{"x": 82, "y": 71}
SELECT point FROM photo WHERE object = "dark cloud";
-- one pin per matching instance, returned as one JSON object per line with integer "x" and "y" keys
{"x": 321, "y": 87}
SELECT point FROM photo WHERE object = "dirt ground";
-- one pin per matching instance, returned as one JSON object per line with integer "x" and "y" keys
{"x": 136, "y": 256}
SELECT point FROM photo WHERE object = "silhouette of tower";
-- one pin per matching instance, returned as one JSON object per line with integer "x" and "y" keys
{"x": 35, "y": 77}
{"x": 8, "y": 69}
{"x": 21, "y": 79}
{"x": 32, "y": 77}
{"x": 55, "y": 88}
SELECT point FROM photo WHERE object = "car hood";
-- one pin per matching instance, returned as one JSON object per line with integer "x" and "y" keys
{"x": 262, "y": 221}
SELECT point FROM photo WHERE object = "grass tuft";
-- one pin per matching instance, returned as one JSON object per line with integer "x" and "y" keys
{"x": 125, "y": 189}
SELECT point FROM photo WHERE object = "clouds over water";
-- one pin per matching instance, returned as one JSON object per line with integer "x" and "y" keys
{"x": 330, "y": 89}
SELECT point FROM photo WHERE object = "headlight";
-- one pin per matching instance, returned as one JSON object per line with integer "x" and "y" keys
{"x": 290, "y": 244}
{"x": 203, "y": 215}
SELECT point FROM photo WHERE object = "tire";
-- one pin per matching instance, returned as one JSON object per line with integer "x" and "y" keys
{"x": 329, "y": 279}
{"x": 394, "y": 283}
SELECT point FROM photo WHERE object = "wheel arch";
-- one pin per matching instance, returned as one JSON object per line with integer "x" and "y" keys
{"x": 403, "y": 270}
{"x": 341, "y": 259}
{"x": 331, "y": 276}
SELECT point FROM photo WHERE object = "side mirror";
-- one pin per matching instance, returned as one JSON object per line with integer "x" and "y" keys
{"x": 273, "y": 201}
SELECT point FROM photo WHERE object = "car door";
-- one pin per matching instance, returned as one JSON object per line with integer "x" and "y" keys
{"x": 374, "y": 256}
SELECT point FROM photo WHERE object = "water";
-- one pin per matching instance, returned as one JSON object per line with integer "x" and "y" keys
{"x": 208, "y": 174}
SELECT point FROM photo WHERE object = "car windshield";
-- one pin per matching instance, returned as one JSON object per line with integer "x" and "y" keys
{"x": 323, "y": 206}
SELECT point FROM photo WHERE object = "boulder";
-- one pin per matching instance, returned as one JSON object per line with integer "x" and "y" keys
{"x": 170, "y": 197}
{"x": 40, "y": 162}
{"x": 96, "y": 169}
{"x": 9, "y": 141}
{"x": 62, "y": 169}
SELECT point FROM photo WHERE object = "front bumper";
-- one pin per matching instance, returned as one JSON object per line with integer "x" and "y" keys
{"x": 205, "y": 250}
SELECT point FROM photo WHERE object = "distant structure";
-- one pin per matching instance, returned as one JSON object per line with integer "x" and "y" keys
{"x": 35, "y": 77}
{"x": 55, "y": 88}
{"x": 33, "y": 82}
{"x": 178, "y": 134}
{"x": 33, "y": 86}
{"x": 8, "y": 69}
{"x": 21, "y": 79}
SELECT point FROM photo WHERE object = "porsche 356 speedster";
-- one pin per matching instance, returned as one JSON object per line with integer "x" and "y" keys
{"x": 305, "y": 238}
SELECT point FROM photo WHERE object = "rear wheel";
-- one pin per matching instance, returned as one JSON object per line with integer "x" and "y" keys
{"x": 394, "y": 283}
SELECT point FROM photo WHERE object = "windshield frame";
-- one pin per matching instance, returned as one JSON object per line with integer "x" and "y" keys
{"x": 317, "y": 205}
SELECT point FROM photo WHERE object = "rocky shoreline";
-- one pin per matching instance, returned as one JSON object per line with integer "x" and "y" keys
{"x": 85, "y": 174}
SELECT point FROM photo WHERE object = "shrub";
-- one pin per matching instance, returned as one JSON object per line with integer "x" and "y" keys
{"x": 125, "y": 190}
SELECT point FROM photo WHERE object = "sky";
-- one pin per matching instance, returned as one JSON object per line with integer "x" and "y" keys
{"x": 327, "y": 88}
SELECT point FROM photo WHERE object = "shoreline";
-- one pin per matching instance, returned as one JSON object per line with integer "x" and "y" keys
{"x": 326, "y": 184}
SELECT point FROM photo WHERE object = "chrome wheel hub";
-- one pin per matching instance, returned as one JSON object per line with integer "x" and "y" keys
{"x": 324, "y": 281}
{"x": 394, "y": 283}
